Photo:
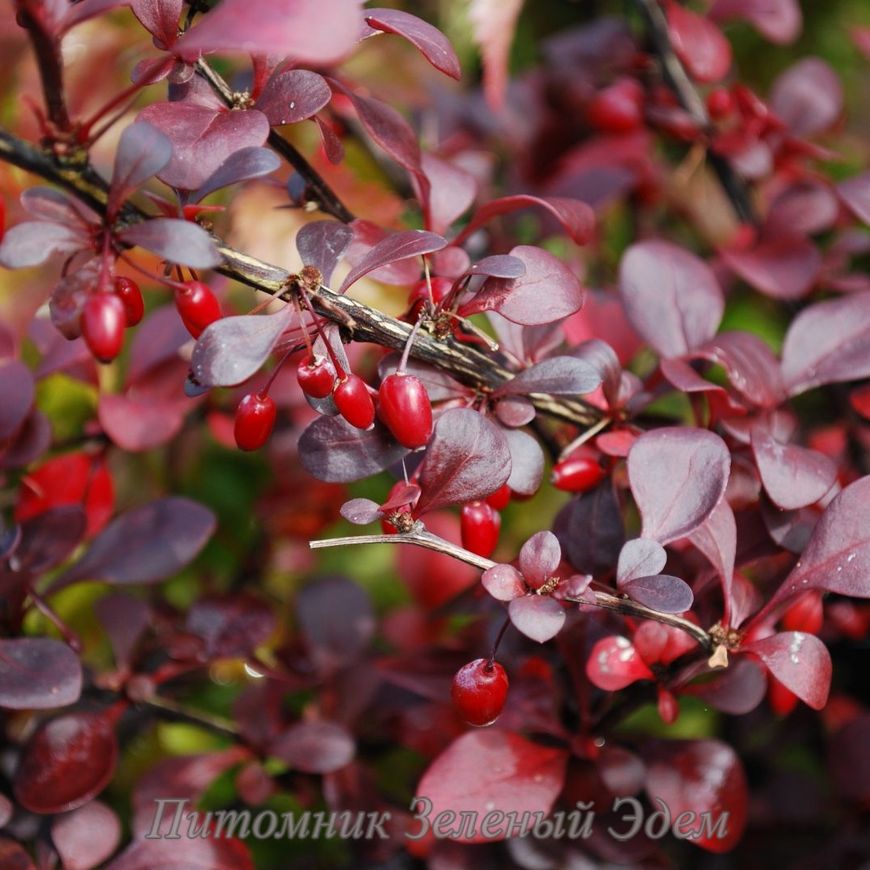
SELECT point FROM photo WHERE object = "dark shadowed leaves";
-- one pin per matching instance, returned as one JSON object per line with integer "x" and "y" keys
{"x": 537, "y": 616}
{"x": 557, "y": 376}
{"x": 232, "y": 626}
{"x": 800, "y": 661}
{"x": 592, "y": 535}
{"x": 468, "y": 458}
{"x": 315, "y": 747}
{"x": 38, "y": 673}
{"x": 671, "y": 297}
{"x": 492, "y": 770}
{"x": 124, "y": 619}
{"x": 808, "y": 97}
{"x": 142, "y": 152}
{"x": 175, "y": 240}
{"x": 292, "y": 96}
{"x": 430, "y": 41}
{"x": 322, "y": 244}
{"x": 241, "y": 165}
{"x": 662, "y": 592}
{"x": 640, "y": 557}
{"x": 677, "y": 477}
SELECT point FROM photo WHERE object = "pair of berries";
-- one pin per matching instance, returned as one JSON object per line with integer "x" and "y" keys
{"x": 479, "y": 691}
{"x": 107, "y": 313}
{"x": 350, "y": 393}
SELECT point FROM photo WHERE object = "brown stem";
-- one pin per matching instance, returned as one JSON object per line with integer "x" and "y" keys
{"x": 48, "y": 57}
{"x": 172, "y": 709}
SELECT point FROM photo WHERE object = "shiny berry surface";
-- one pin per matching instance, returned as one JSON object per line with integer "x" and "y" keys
{"x": 255, "y": 419}
{"x": 720, "y": 103}
{"x": 405, "y": 409}
{"x": 103, "y": 322}
{"x": 354, "y": 403}
{"x": 577, "y": 473}
{"x": 129, "y": 293}
{"x": 499, "y": 499}
{"x": 198, "y": 306}
{"x": 316, "y": 377}
{"x": 479, "y": 691}
{"x": 479, "y": 525}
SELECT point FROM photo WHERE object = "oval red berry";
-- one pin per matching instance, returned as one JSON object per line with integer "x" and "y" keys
{"x": 103, "y": 321}
{"x": 354, "y": 403}
{"x": 130, "y": 295}
{"x": 479, "y": 525}
{"x": 404, "y": 407}
{"x": 316, "y": 377}
{"x": 479, "y": 691}
{"x": 198, "y": 307}
{"x": 255, "y": 419}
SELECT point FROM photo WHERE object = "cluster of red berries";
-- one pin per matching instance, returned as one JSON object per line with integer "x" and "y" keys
{"x": 479, "y": 691}
{"x": 107, "y": 313}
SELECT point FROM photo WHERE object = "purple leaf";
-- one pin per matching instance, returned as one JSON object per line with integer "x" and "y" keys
{"x": 752, "y": 368}
{"x": 231, "y": 626}
{"x": 203, "y": 137}
{"x": 86, "y": 837}
{"x": 803, "y": 209}
{"x": 322, "y": 244}
{"x": 539, "y": 558}
{"x": 467, "y": 459}
{"x": 395, "y": 247}
{"x": 499, "y": 266}
{"x": 827, "y": 343}
{"x": 527, "y": 462}
{"x": 716, "y": 538}
{"x": 361, "y": 511}
{"x": 537, "y": 616}
{"x": 837, "y": 556}
{"x": 141, "y": 423}
{"x": 515, "y": 412}
{"x": 699, "y": 44}
{"x": 159, "y": 18}
{"x": 156, "y": 342}
{"x": 575, "y": 216}
{"x": 793, "y": 476}
{"x": 503, "y": 582}
{"x": 855, "y": 193}
{"x": 430, "y": 41}
{"x": 38, "y": 673}
{"x": 48, "y": 204}
{"x": 16, "y": 397}
{"x": 31, "y": 243}
{"x": 49, "y": 538}
{"x": 333, "y": 450}
{"x": 292, "y": 96}
{"x": 640, "y": 557}
{"x": 177, "y": 241}
{"x": 241, "y": 165}
{"x": 451, "y": 191}
{"x": 808, "y": 97}
{"x": 602, "y": 357}
{"x": 592, "y": 534}
{"x": 677, "y": 477}
{"x": 780, "y": 21}
{"x": 671, "y": 297}
{"x": 124, "y": 618}
{"x": 142, "y": 152}
{"x": 800, "y": 661}
{"x": 739, "y": 689}
{"x": 662, "y": 592}
{"x": 784, "y": 267}
{"x": 232, "y": 349}
{"x": 315, "y": 747}
{"x": 556, "y": 376}
{"x": 145, "y": 544}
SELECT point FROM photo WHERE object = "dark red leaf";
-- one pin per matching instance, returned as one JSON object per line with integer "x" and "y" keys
{"x": 143, "y": 151}
{"x": 779, "y": 21}
{"x": 640, "y": 557}
{"x": 38, "y": 673}
{"x": 700, "y": 45}
{"x": 556, "y": 376}
{"x": 292, "y": 96}
{"x": 143, "y": 423}
{"x": 232, "y": 626}
{"x": 16, "y": 397}
{"x": 430, "y": 41}
{"x": 537, "y": 616}
{"x": 737, "y": 690}
{"x": 784, "y": 267}
{"x": 855, "y": 193}
{"x": 467, "y": 459}
{"x": 322, "y": 244}
{"x": 13, "y": 856}
{"x": 451, "y": 191}
{"x": 493, "y": 770}
{"x": 160, "y": 18}
{"x": 752, "y": 367}
{"x": 124, "y": 618}
{"x": 49, "y": 538}
{"x": 800, "y": 661}
{"x": 592, "y": 535}
{"x": 178, "y": 241}
{"x": 808, "y": 96}
{"x": 315, "y": 747}
{"x": 86, "y": 837}
{"x": 540, "y": 556}
{"x": 663, "y": 593}
{"x": 677, "y": 477}
{"x": 527, "y": 462}
{"x": 716, "y": 538}
{"x": 242, "y": 165}
{"x": 614, "y": 663}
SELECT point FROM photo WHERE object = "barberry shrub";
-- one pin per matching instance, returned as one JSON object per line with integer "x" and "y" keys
{"x": 580, "y": 341}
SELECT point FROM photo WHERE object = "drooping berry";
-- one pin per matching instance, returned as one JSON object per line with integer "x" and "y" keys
{"x": 405, "y": 409}
{"x": 198, "y": 306}
{"x": 103, "y": 322}
{"x": 720, "y": 103}
{"x": 479, "y": 525}
{"x": 479, "y": 691}
{"x": 129, "y": 293}
{"x": 255, "y": 419}
{"x": 499, "y": 499}
{"x": 579, "y": 472}
{"x": 315, "y": 377}
{"x": 618, "y": 108}
{"x": 353, "y": 401}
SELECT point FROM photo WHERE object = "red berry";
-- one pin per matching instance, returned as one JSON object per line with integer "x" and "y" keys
{"x": 618, "y": 108}
{"x": 129, "y": 293}
{"x": 255, "y": 419}
{"x": 720, "y": 103}
{"x": 479, "y": 691}
{"x": 354, "y": 403}
{"x": 479, "y": 525}
{"x": 315, "y": 377}
{"x": 577, "y": 473}
{"x": 198, "y": 306}
{"x": 103, "y": 321}
{"x": 806, "y": 613}
{"x": 404, "y": 407}
{"x": 500, "y": 498}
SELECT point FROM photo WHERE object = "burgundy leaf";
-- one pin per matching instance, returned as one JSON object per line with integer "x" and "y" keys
{"x": 716, "y": 538}
{"x": 808, "y": 97}
{"x": 677, "y": 477}
{"x": 141, "y": 423}
{"x": 143, "y": 151}
{"x": 467, "y": 459}
{"x": 175, "y": 240}
{"x": 361, "y": 511}
{"x": 16, "y": 397}
{"x": 663, "y": 593}
{"x": 31, "y": 243}
{"x": 515, "y": 412}
{"x": 159, "y": 18}
{"x": 539, "y": 558}
{"x": 286, "y": 28}
{"x": 68, "y": 760}
{"x": 603, "y": 358}
{"x": 124, "y": 618}
{"x": 800, "y": 661}
{"x": 315, "y": 747}
{"x": 50, "y": 537}
{"x": 499, "y": 266}
{"x": 827, "y": 343}
{"x": 700, "y": 777}
{"x": 737, "y": 690}
{"x": 491, "y": 770}
{"x": 333, "y": 450}
{"x": 242, "y": 165}
{"x": 784, "y": 267}
{"x": 451, "y": 191}
{"x": 48, "y": 204}
{"x": 700, "y": 45}
{"x": 527, "y": 462}
{"x": 752, "y": 368}
{"x": 593, "y": 534}
{"x": 556, "y": 376}
{"x": 232, "y": 626}
{"x": 537, "y": 616}
{"x": 855, "y": 193}
{"x": 640, "y": 557}
{"x": 614, "y": 663}
{"x": 292, "y": 96}
{"x": 38, "y": 673}
{"x": 575, "y": 216}
{"x": 86, "y": 837}
{"x": 503, "y": 582}
{"x": 793, "y": 476}
{"x": 803, "y": 208}
{"x": 203, "y": 137}
{"x": 779, "y": 21}
{"x": 430, "y": 41}
{"x": 322, "y": 244}
{"x": 671, "y": 297}
{"x": 157, "y": 342}
{"x": 395, "y": 247}
{"x": 146, "y": 544}
{"x": 493, "y": 23}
